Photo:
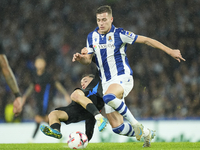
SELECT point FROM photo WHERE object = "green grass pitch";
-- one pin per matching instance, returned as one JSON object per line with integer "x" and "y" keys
{"x": 106, "y": 146}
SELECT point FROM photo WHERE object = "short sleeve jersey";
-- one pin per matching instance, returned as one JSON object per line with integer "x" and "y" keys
{"x": 110, "y": 51}
{"x": 43, "y": 88}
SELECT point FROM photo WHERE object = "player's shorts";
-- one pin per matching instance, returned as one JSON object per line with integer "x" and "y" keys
{"x": 41, "y": 110}
{"x": 75, "y": 112}
{"x": 126, "y": 81}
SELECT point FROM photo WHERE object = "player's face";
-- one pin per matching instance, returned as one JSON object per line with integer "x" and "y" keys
{"x": 104, "y": 22}
{"x": 86, "y": 81}
{"x": 40, "y": 64}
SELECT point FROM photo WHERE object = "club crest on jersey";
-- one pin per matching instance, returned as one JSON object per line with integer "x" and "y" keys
{"x": 129, "y": 34}
{"x": 95, "y": 39}
{"x": 109, "y": 39}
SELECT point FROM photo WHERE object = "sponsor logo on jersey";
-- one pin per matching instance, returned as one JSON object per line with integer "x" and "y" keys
{"x": 129, "y": 34}
{"x": 104, "y": 46}
{"x": 95, "y": 47}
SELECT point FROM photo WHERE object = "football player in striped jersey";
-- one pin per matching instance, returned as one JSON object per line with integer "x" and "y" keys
{"x": 108, "y": 44}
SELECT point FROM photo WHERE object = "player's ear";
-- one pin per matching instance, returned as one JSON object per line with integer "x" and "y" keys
{"x": 111, "y": 19}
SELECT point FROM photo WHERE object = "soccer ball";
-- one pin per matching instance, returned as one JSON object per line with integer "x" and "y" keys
{"x": 77, "y": 140}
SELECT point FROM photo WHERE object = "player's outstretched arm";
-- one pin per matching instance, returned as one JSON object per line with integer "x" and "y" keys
{"x": 83, "y": 58}
{"x": 11, "y": 81}
{"x": 8, "y": 74}
{"x": 175, "y": 53}
{"x": 62, "y": 90}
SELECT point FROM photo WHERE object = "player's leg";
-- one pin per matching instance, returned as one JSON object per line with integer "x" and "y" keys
{"x": 118, "y": 125}
{"x": 38, "y": 120}
{"x": 79, "y": 97}
{"x": 122, "y": 128}
{"x": 114, "y": 93}
{"x": 112, "y": 98}
{"x": 55, "y": 117}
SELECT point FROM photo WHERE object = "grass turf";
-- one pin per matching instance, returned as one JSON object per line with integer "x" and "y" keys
{"x": 105, "y": 146}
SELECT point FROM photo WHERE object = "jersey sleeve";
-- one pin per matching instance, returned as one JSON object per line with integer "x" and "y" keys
{"x": 128, "y": 37}
{"x": 89, "y": 44}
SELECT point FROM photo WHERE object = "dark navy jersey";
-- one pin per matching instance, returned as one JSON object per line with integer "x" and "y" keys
{"x": 43, "y": 90}
{"x": 94, "y": 92}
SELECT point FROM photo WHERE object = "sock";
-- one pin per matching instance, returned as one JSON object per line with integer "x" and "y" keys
{"x": 146, "y": 132}
{"x": 92, "y": 109}
{"x": 120, "y": 107}
{"x": 36, "y": 129}
{"x": 124, "y": 129}
{"x": 56, "y": 126}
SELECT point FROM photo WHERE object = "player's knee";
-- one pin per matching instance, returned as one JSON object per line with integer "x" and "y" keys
{"x": 75, "y": 96}
{"x": 52, "y": 115}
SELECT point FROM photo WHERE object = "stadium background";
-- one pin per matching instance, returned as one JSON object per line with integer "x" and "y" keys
{"x": 164, "y": 88}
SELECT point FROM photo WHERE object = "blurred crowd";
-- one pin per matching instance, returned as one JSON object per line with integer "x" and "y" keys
{"x": 163, "y": 87}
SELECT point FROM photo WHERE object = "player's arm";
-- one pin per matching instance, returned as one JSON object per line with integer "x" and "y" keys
{"x": 83, "y": 58}
{"x": 175, "y": 53}
{"x": 28, "y": 93}
{"x": 62, "y": 90}
{"x": 11, "y": 81}
{"x": 89, "y": 127}
{"x": 8, "y": 74}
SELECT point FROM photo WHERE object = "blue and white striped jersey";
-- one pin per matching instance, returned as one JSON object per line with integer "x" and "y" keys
{"x": 110, "y": 51}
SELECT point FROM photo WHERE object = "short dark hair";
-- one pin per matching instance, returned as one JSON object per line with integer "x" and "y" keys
{"x": 104, "y": 9}
{"x": 40, "y": 57}
{"x": 89, "y": 75}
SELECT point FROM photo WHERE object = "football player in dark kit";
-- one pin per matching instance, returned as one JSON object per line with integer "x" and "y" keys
{"x": 91, "y": 94}
{"x": 11, "y": 81}
{"x": 43, "y": 86}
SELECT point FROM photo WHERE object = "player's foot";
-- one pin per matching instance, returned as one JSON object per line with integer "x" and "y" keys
{"x": 102, "y": 122}
{"x": 50, "y": 132}
{"x": 148, "y": 138}
{"x": 138, "y": 128}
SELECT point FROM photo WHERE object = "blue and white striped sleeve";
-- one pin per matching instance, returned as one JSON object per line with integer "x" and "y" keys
{"x": 90, "y": 44}
{"x": 128, "y": 37}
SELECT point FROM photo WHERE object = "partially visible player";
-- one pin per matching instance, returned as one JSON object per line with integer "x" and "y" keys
{"x": 91, "y": 93}
{"x": 79, "y": 97}
{"x": 109, "y": 44}
{"x": 43, "y": 86}
{"x": 11, "y": 81}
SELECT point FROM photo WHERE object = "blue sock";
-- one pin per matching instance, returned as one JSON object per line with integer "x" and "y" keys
{"x": 124, "y": 129}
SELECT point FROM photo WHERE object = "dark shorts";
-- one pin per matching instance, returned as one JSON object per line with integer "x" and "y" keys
{"x": 42, "y": 110}
{"x": 75, "y": 112}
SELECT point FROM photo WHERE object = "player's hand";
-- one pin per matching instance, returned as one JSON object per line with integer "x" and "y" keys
{"x": 77, "y": 57}
{"x": 84, "y": 51}
{"x": 176, "y": 54}
{"x": 17, "y": 106}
